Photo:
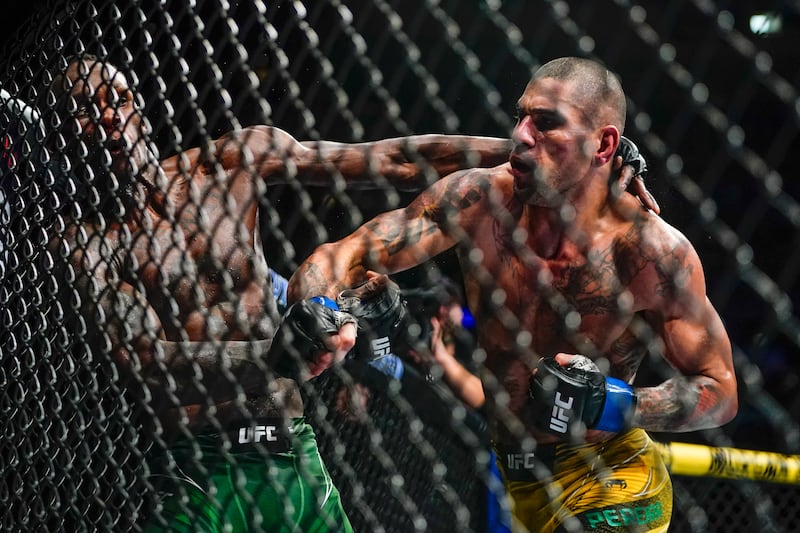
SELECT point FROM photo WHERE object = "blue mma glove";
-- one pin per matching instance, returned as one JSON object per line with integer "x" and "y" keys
{"x": 629, "y": 152}
{"x": 562, "y": 397}
{"x": 300, "y": 337}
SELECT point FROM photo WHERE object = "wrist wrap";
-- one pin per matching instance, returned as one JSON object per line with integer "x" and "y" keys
{"x": 618, "y": 407}
{"x": 629, "y": 152}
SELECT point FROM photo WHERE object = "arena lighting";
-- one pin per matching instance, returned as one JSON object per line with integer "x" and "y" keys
{"x": 769, "y": 23}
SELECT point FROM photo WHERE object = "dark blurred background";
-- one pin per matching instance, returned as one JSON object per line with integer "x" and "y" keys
{"x": 713, "y": 106}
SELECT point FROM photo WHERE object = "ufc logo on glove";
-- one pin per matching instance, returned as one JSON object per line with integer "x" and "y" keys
{"x": 381, "y": 347}
{"x": 561, "y": 413}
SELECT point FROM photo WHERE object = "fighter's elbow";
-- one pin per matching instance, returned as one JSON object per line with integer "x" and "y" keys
{"x": 729, "y": 407}
{"x": 407, "y": 176}
{"x": 729, "y": 396}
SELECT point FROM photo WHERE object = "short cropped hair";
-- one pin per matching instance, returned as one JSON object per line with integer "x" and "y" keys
{"x": 597, "y": 86}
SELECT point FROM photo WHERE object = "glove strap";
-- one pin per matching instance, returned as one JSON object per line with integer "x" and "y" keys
{"x": 618, "y": 407}
{"x": 324, "y": 300}
{"x": 390, "y": 364}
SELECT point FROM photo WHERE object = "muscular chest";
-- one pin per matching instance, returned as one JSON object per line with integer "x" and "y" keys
{"x": 194, "y": 253}
{"x": 566, "y": 300}
{"x": 561, "y": 303}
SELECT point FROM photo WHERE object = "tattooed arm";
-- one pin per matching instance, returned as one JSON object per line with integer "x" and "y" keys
{"x": 393, "y": 241}
{"x": 407, "y": 163}
{"x": 696, "y": 344}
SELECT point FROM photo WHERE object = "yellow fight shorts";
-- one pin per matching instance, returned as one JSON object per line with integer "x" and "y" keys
{"x": 617, "y": 485}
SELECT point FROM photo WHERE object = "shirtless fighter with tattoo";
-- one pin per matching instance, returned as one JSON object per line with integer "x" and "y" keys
{"x": 570, "y": 286}
{"x": 165, "y": 263}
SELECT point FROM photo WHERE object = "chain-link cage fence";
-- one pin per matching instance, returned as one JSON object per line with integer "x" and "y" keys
{"x": 121, "y": 336}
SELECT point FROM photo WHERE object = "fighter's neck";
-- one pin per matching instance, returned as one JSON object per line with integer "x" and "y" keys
{"x": 554, "y": 230}
{"x": 583, "y": 206}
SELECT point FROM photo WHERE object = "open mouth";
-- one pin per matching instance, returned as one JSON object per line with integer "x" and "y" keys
{"x": 116, "y": 146}
{"x": 520, "y": 166}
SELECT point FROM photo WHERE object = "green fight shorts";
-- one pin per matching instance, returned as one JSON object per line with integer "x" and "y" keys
{"x": 616, "y": 485}
{"x": 267, "y": 479}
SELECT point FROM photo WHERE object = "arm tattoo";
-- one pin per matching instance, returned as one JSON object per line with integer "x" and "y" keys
{"x": 679, "y": 404}
{"x": 673, "y": 273}
{"x": 632, "y": 256}
{"x": 392, "y": 237}
{"x": 426, "y": 216}
{"x": 315, "y": 280}
{"x": 453, "y": 200}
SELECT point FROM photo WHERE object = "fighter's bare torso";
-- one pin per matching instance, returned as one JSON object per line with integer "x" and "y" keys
{"x": 538, "y": 290}
{"x": 193, "y": 256}
{"x": 195, "y": 253}
{"x": 204, "y": 254}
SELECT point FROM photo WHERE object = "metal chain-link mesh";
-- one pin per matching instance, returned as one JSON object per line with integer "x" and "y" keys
{"x": 713, "y": 106}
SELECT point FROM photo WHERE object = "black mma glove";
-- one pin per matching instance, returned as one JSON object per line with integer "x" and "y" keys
{"x": 561, "y": 397}
{"x": 382, "y": 323}
{"x": 299, "y": 339}
{"x": 629, "y": 152}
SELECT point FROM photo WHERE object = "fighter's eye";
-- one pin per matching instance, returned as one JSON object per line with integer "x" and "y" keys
{"x": 122, "y": 98}
{"x": 546, "y": 123}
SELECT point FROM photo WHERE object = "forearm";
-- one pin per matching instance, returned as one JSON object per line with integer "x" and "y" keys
{"x": 327, "y": 271}
{"x": 467, "y": 386}
{"x": 441, "y": 154}
{"x": 407, "y": 163}
{"x": 704, "y": 392}
{"x": 683, "y": 404}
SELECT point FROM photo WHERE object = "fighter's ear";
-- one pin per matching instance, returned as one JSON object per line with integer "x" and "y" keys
{"x": 609, "y": 140}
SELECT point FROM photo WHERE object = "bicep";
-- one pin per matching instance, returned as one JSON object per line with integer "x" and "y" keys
{"x": 693, "y": 333}
{"x": 697, "y": 344}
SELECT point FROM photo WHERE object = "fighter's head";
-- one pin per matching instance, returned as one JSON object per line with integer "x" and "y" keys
{"x": 571, "y": 116}
{"x": 101, "y": 129}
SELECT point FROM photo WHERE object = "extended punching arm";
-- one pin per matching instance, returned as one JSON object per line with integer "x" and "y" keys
{"x": 563, "y": 396}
